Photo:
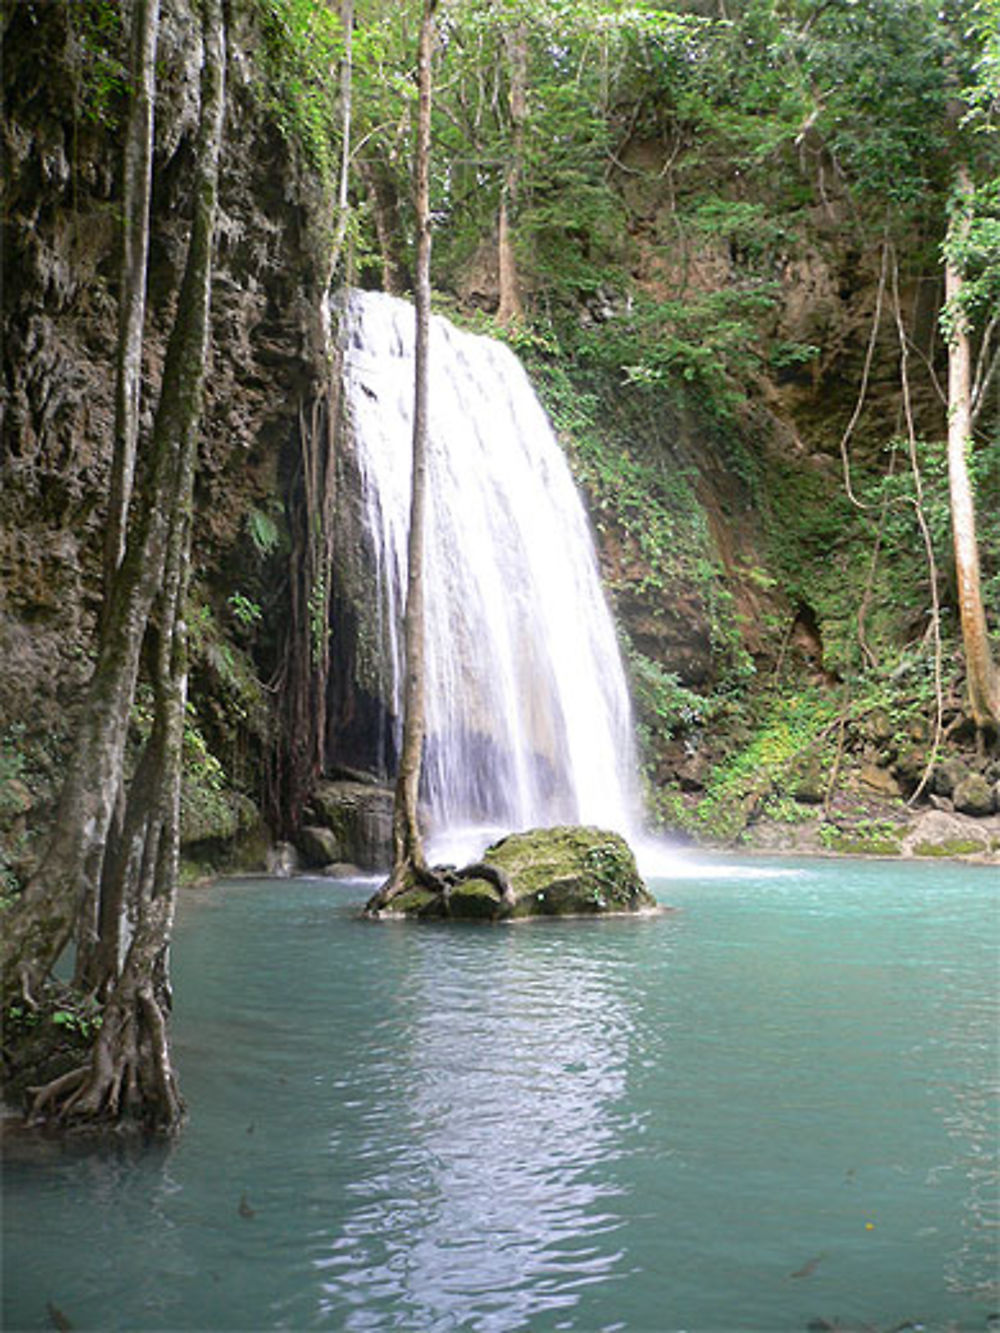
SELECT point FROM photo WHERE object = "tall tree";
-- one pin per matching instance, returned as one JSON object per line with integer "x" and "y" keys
{"x": 982, "y": 676}
{"x": 101, "y": 909}
{"x": 407, "y": 843}
{"x": 136, "y": 192}
{"x": 129, "y": 1076}
{"x": 511, "y": 306}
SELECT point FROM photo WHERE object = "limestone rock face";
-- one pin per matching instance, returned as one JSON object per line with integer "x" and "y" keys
{"x": 564, "y": 871}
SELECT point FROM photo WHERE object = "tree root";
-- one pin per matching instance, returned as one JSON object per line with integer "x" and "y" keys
{"x": 58, "y": 1087}
{"x": 442, "y": 880}
{"x": 129, "y": 1081}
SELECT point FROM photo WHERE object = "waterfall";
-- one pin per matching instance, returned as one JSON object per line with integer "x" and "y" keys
{"x": 528, "y": 720}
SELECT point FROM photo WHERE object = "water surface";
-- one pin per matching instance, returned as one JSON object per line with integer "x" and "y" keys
{"x": 774, "y": 1106}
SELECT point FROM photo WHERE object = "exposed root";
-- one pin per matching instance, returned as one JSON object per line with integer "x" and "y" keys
{"x": 58, "y": 1087}
{"x": 442, "y": 880}
{"x": 128, "y": 1082}
{"x": 24, "y": 980}
{"x": 492, "y": 875}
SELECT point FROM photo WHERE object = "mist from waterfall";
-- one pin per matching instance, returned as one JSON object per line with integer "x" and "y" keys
{"x": 528, "y": 719}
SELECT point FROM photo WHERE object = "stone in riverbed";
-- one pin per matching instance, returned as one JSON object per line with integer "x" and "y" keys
{"x": 973, "y": 796}
{"x": 565, "y": 871}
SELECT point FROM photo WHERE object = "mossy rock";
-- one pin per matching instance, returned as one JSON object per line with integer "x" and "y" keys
{"x": 565, "y": 871}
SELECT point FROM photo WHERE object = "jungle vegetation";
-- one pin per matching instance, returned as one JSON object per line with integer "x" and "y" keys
{"x": 750, "y": 251}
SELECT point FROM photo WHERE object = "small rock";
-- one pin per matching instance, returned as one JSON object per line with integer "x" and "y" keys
{"x": 948, "y": 774}
{"x": 282, "y": 860}
{"x": 973, "y": 796}
{"x": 879, "y": 780}
{"x": 319, "y": 846}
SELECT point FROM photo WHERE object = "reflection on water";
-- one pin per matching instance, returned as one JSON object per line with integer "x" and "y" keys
{"x": 773, "y": 1108}
{"x": 512, "y": 1087}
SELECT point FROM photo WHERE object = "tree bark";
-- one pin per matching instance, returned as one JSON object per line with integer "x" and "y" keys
{"x": 982, "y": 678}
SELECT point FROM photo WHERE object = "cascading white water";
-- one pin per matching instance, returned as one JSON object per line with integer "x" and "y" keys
{"x": 528, "y": 720}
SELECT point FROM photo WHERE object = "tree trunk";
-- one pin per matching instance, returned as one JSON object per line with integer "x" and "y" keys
{"x": 136, "y": 192}
{"x": 407, "y": 843}
{"x": 297, "y": 757}
{"x": 346, "y": 97}
{"x": 511, "y": 307}
{"x": 381, "y": 191}
{"x": 982, "y": 677}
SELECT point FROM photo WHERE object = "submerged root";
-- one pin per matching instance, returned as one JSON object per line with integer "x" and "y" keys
{"x": 129, "y": 1082}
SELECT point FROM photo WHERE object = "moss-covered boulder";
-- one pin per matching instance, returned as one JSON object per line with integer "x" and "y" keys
{"x": 564, "y": 871}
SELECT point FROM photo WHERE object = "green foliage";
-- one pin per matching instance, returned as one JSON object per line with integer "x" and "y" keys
{"x": 303, "y": 44}
{"x": 318, "y": 612}
{"x": 867, "y": 837}
{"x": 982, "y": 95}
{"x": 235, "y": 685}
{"x": 264, "y": 532}
{"x": 102, "y": 71}
{"x": 245, "y": 609}
{"x": 663, "y": 704}
{"x": 77, "y": 1016}
{"x": 974, "y": 250}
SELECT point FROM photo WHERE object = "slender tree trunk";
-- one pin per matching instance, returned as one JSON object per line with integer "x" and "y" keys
{"x": 407, "y": 843}
{"x": 346, "y": 98}
{"x": 94, "y": 913}
{"x": 982, "y": 676}
{"x": 511, "y": 306}
{"x": 381, "y": 191}
{"x": 129, "y": 1078}
{"x": 136, "y": 192}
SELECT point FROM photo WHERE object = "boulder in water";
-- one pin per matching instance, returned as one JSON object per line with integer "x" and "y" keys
{"x": 564, "y": 871}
